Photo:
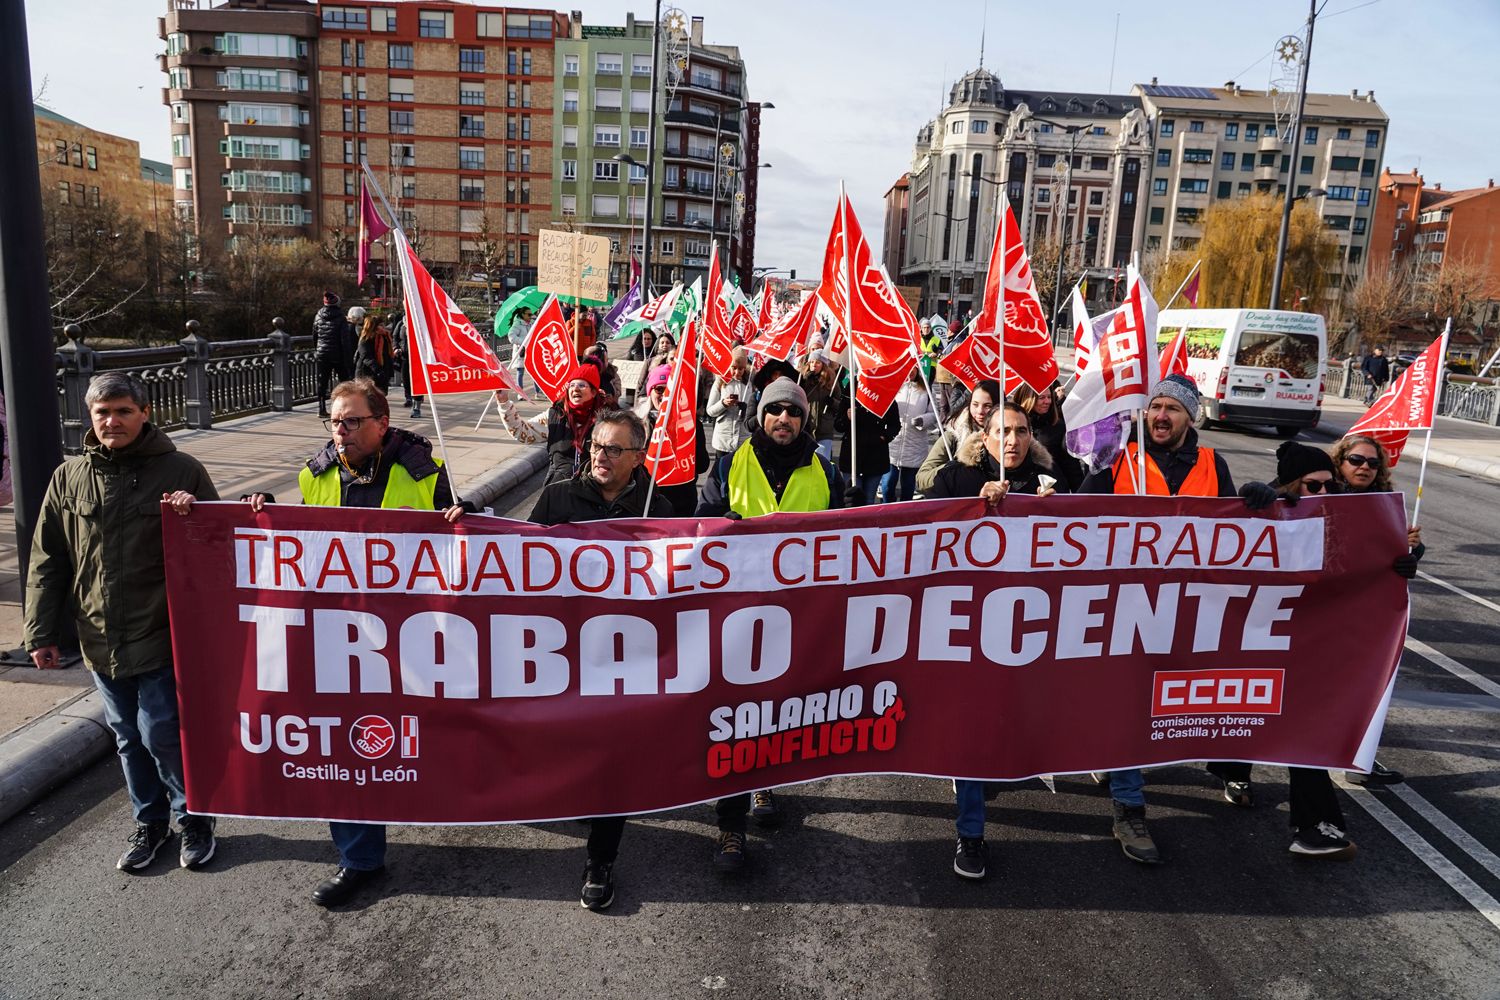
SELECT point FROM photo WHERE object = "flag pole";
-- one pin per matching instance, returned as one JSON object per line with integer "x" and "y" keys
{"x": 420, "y": 329}
{"x": 1147, "y": 337}
{"x": 1185, "y": 281}
{"x": 849, "y": 335}
{"x": 1000, "y": 321}
{"x": 931, "y": 399}
{"x": 1427, "y": 441}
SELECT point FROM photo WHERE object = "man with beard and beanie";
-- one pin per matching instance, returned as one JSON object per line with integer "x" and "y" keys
{"x": 778, "y": 468}
{"x": 613, "y": 486}
{"x": 367, "y": 463}
{"x": 1176, "y": 465}
{"x": 332, "y": 348}
{"x": 97, "y": 562}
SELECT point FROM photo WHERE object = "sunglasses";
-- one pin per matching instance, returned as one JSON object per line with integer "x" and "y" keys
{"x": 777, "y": 409}
{"x": 1315, "y": 485}
{"x": 1359, "y": 460}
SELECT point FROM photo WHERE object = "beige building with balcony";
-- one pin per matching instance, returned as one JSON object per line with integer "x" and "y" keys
{"x": 1217, "y": 143}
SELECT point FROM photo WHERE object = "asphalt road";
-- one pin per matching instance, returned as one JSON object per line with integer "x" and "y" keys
{"x": 854, "y": 896}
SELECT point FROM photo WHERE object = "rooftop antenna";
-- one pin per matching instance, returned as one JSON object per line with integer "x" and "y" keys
{"x": 943, "y": 89}
{"x": 983, "y": 24}
{"x": 1112, "y": 53}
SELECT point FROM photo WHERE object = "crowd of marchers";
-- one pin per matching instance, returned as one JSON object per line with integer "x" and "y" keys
{"x": 765, "y": 441}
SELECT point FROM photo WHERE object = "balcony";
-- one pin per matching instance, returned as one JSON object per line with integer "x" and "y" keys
{"x": 731, "y": 123}
{"x": 697, "y": 81}
{"x": 1269, "y": 143}
{"x": 1268, "y": 174}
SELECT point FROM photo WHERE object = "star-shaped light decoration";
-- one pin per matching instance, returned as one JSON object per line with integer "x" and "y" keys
{"x": 675, "y": 21}
{"x": 1289, "y": 49}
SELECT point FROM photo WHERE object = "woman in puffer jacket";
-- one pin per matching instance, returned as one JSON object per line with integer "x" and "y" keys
{"x": 918, "y": 428}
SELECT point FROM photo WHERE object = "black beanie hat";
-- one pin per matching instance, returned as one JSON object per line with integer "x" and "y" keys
{"x": 1294, "y": 460}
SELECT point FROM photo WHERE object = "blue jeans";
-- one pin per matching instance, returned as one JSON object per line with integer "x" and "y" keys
{"x": 970, "y": 798}
{"x": 1128, "y": 787}
{"x": 869, "y": 484}
{"x": 142, "y": 712}
{"x": 899, "y": 484}
{"x": 361, "y": 845}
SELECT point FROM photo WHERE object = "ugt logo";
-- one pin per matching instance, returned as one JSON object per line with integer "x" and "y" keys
{"x": 372, "y": 736}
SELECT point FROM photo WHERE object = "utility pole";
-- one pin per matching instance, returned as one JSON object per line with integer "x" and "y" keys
{"x": 26, "y": 349}
{"x": 650, "y": 156}
{"x": 1291, "y": 168}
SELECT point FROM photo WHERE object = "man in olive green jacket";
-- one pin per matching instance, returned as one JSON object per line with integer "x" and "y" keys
{"x": 97, "y": 553}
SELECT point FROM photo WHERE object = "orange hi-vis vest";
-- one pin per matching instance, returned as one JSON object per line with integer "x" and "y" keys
{"x": 1203, "y": 481}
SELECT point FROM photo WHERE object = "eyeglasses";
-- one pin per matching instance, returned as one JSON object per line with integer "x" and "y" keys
{"x": 1315, "y": 485}
{"x": 777, "y": 409}
{"x": 658, "y": 390}
{"x": 347, "y": 424}
{"x": 612, "y": 451}
{"x": 1372, "y": 461}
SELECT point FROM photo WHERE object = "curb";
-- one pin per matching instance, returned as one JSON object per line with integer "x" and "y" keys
{"x": 50, "y": 750}
{"x": 37, "y": 758}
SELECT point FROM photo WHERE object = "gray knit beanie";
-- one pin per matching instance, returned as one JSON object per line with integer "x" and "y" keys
{"x": 783, "y": 390}
{"x": 1181, "y": 388}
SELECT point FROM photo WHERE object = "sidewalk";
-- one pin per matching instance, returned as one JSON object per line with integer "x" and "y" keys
{"x": 52, "y": 723}
{"x": 1462, "y": 445}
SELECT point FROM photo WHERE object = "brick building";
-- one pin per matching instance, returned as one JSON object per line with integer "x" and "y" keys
{"x": 1417, "y": 226}
{"x": 897, "y": 209}
{"x": 82, "y": 166}
{"x": 244, "y": 122}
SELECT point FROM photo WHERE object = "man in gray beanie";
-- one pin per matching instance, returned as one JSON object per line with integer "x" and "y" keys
{"x": 1175, "y": 465}
{"x": 778, "y": 468}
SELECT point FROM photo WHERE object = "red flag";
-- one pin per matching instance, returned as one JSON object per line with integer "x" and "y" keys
{"x": 549, "y": 350}
{"x": 741, "y": 325}
{"x": 1408, "y": 405}
{"x": 371, "y": 228}
{"x": 767, "y": 303}
{"x": 1008, "y": 285}
{"x": 715, "y": 332}
{"x": 446, "y": 353}
{"x": 1190, "y": 290}
{"x": 879, "y": 383}
{"x": 672, "y": 455}
{"x": 1174, "y": 358}
{"x": 861, "y": 296}
{"x": 790, "y": 334}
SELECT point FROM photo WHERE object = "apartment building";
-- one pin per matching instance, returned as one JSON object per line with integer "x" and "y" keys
{"x": 84, "y": 167}
{"x": 1217, "y": 143}
{"x": 451, "y": 104}
{"x": 1417, "y": 226}
{"x": 241, "y": 93}
{"x": 897, "y": 215}
{"x": 1072, "y": 165}
{"x": 603, "y": 93}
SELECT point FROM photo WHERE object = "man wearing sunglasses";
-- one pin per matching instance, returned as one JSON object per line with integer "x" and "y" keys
{"x": 777, "y": 469}
{"x": 613, "y": 485}
{"x": 367, "y": 463}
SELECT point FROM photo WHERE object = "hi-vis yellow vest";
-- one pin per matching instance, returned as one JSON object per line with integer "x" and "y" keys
{"x": 401, "y": 490}
{"x": 750, "y": 493}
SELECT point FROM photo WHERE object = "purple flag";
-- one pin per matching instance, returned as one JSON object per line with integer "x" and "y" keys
{"x": 626, "y": 304}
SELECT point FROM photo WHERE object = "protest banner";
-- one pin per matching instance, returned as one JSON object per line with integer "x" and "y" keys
{"x": 573, "y": 266}
{"x": 394, "y": 668}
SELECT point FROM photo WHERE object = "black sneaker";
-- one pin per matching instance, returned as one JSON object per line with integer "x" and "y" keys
{"x": 763, "y": 808}
{"x": 144, "y": 844}
{"x": 729, "y": 852}
{"x": 1239, "y": 793}
{"x": 970, "y": 858}
{"x": 598, "y": 886}
{"x": 1324, "y": 841}
{"x": 197, "y": 841}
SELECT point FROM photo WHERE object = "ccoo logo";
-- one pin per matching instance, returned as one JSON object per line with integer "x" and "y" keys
{"x": 372, "y": 736}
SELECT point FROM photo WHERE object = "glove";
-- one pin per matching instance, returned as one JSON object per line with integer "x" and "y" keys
{"x": 919, "y": 423}
{"x": 1405, "y": 566}
{"x": 1257, "y": 496}
{"x": 854, "y": 497}
{"x": 732, "y": 515}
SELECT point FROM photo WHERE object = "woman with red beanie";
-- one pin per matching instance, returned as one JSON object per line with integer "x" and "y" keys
{"x": 565, "y": 426}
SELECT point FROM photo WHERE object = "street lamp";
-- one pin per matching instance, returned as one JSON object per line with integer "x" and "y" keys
{"x": 1282, "y": 240}
{"x": 1062, "y": 250}
{"x": 723, "y": 150}
{"x": 631, "y": 166}
{"x": 953, "y": 274}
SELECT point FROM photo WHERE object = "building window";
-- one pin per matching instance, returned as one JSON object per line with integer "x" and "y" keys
{"x": 435, "y": 24}
{"x": 1098, "y": 163}
{"x": 1359, "y": 226}
{"x": 91, "y": 157}
{"x": 1232, "y": 130}
{"x": 606, "y": 170}
{"x": 640, "y": 65}
{"x": 1252, "y": 132}
{"x": 490, "y": 26}
{"x": 1344, "y": 163}
{"x": 403, "y": 122}
{"x": 1193, "y": 185}
{"x": 471, "y": 157}
{"x": 1197, "y": 156}
{"x": 606, "y": 205}
{"x": 1163, "y": 157}
{"x": 1188, "y": 215}
{"x": 1310, "y": 136}
{"x": 1342, "y": 133}
{"x": 1127, "y": 198}
{"x": 182, "y": 145}
{"x": 398, "y": 56}
{"x": 403, "y": 154}
{"x": 1307, "y": 165}
{"x": 525, "y": 128}
{"x": 471, "y": 189}
{"x": 1044, "y": 128}
{"x": 383, "y": 19}
{"x": 957, "y": 128}
{"x": 1340, "y": 193}
{"x": 608, "y": 62}
{"x": 470, "y": 93}
{"x": 470, "y": 60}
{"x": 402, "y": 91}
{"x": 606, "y": 135}
{"x": 1195, "y": 126}
{"x": 570, "y": 135}
{"x": 1367, "y": 168}
{"x": 1243, "y": 188}
{"x": 1372, "y": 138}
{"x": 346, "y": 18}
{"x": 1225, "y": 187}
{"x": 1158, "y": 215}
{"x": 528, "y": 26}
{"x": 570, "y": 100}
{"x": 1096, "y": 197}
{"x": 979, "y": 127}
{"x": 1045, "y": 160}
{"x": 1168, "y": 127}
{"x": 606, "y": 99}
{"x": 1356, "y": 253}
{"x": 1043, "y": 196}
{"x": 570, "y": 204}
{"x": 1226, "y": 161}
{"x": 471, "y": 126}
{"x": 570, "y": 65}
{"x": 1364, "y": 197}
{"x": 178, "y": 78}
{"x": 570, "y": 170}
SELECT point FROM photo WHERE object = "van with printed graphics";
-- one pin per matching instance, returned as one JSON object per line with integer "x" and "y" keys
{"x": 1260, "y": 367}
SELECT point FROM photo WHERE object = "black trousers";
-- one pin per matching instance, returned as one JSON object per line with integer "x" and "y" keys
{"x": 604, "y": 838}
{"x": 732, "y": 813}
{"x": 329, "y": 373}
{"x": 1311, "y": 796}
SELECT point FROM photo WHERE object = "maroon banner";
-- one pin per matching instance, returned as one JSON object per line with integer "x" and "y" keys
{"x": 384, "y": 666}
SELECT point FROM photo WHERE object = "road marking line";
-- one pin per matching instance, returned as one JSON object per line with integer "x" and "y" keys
{"x": 1461, "y": 837}
{"x": 1487, "y": 905}
{"x": 1459, "y": 590}
{"x": 1453, "y": 667}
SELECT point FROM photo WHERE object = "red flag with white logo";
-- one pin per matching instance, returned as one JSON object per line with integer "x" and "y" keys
{"x": 790, "y": 333}
{"x": 1174, "y": 358}
{"x": 861, "y": 297}
{"x": 1408, "y": 405}
{"x": 550, "y": 353}
{"x": 446, "y": 353}
{"x": 741, "y": 325}
{"x": 879, "y": 383}
{"x": 672, "y": 455}
{"x": 714, "y": 327}
{"x": 767, "y": 303}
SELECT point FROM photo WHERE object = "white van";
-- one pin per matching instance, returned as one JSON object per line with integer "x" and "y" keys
{"x": 1253, "y": 366}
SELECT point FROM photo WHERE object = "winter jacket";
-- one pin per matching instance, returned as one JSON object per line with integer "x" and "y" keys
{"x": 375, "y": 359}
{"x": 778, "y": 463}
{"x": 97, "y": 553}
{"x": 729, "y": 427}
{"x": 1174, "y": 466}
{"x": 578, "y": 499}
{"x": 826, "y": 403}
{"x": 873, "y": 438}
{"x": 412, "y": 452}
{"x": 1378, "y": 368}
{"x": 944, "y": 449}
{"x": 975, "y": 466}
{"x": 1054, "y": 437}
{"x": 332, "y": 337}
{"x": 918, "y": 426}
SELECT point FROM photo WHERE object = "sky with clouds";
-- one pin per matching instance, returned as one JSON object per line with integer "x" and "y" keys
{"x": 853, "y": 81}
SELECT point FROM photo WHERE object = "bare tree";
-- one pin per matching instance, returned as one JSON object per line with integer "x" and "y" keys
{"x": 1374, "y": 306}
{"x": 95, "y": 262}
{"x": 1456, "y": 289}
